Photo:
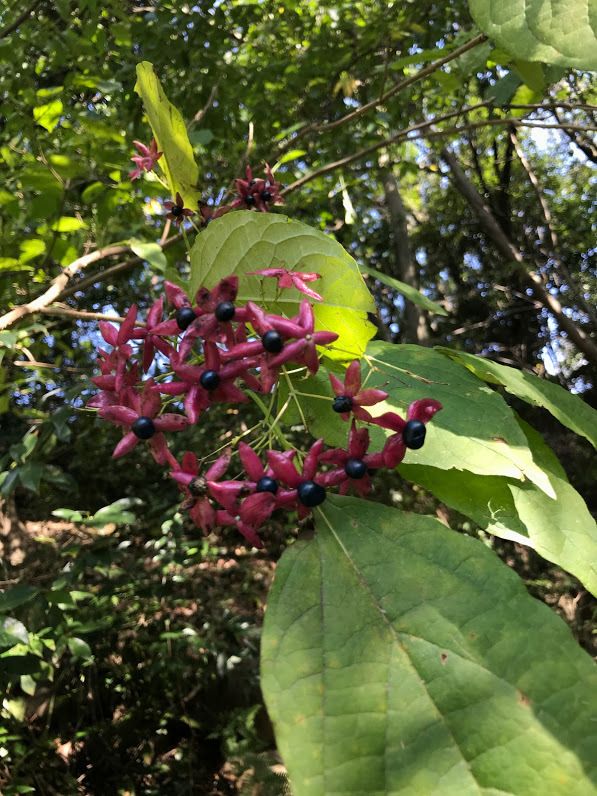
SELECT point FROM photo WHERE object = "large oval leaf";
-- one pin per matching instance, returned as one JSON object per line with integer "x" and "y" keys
{"x": 554, "y": 31}
{"x": 401, "y": 658}
{"x": 170, "y": 133}
{"x": 562, "y": 530}
{"x": 244, "y": 241}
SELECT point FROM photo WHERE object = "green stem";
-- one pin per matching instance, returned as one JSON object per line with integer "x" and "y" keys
{"x": 272, "y": 424}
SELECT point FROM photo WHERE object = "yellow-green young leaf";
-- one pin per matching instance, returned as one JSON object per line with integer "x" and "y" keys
{"x": 245, "y": 241}
{"x": 409, "y": 293}
{"x": 150, "y": 251}
{"x": 401, "y": 658}
{"x": 553, "y": 31}
{"x": 68, "y": 224}
{"x": 561, "y": 529}
{"x": 48, "y": 115}
{"x": 169, "y": 131}
{"x": 569, "y": 409}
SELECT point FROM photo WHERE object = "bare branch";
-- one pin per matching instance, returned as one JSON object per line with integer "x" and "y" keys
{"x": 19, "y": 20}
{"x": 404, "y": 84}
{"x": 201, "y": 113}
{"x": 560, "y": 266}
{"x": 67, "y": 312}
{"x": 58, "y": 290}
{"x": 489, "y": 223}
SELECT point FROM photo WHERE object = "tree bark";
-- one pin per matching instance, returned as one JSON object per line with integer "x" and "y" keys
{"x": 415, "y": 328}
{"x": 489, "y": 223}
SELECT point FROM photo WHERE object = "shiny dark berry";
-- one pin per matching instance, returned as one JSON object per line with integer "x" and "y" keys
{"x": 252, "y": 183}
{"x": 355, "y": 468}
{"x": 342, "y": 403}
{"x": 249, "y": 200}
{"x": 198, "y": 486}
{"x": 143, "y": 427}
{"x": 185, "y": 317}
{"x": 413, "y": 434}
{"x": 176, "y": 211}
{"x": 225, "y": 311}
{"x": 272, "y": 341}
{"x": 311, "y": 494}
{"x": 266, "y": 196}
{"x": 209, "y": 380}
{"x": 267, "y": 484}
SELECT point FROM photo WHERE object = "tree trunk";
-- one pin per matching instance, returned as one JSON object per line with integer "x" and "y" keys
{"x": 415, "y": 328}
{"x": 489, "y": 223}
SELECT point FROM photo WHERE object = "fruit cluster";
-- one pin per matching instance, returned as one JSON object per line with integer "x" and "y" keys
{"x": 213, "y": 346}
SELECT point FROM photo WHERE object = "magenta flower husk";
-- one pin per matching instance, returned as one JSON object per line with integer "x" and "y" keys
{"x": 221, "y": 351}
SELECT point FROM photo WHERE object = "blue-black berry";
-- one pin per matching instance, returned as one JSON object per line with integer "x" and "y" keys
{"x": 355, "y": 468}
{"x": 272, "y": 341}
{"x": 185, "y": 317}
{"x": 342, "y": 403}
{"x": 311, "y": 494}
{"x": 267, "y": 484}
{"x": 266, "y": 196}
{"x": 143, "y": 427}
{"x": 176, "y": 211}
{"x": 224, "y": 311}
{"x": 413, "y": 434}
{"x": 250, "y": 199}
{"x": 209, "y": 380}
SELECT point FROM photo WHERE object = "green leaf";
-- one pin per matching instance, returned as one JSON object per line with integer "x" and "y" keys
{"x": 410, "y": 293}
{"x": 569, "y": 409}
{"x": 201, "y": 137}
{"x": 68, "y": 514}
{"x": 245, "y": 241}
{"x": 169, "y": 131}
{"x": 31, "y": 248}
{"x": 12, "y": 632}
{"x": 560, "y": 529}
{"x": 554, "y": 31}
{"x": 531, "y": 74}
{"x": 503, "y": 89}
{"x": 79, "y": 649}
{"x": 402, "y": 658}
{"x": 48, "y": 115}
{"x": 28, "y": 685}
{"x": 476, "y": 430}
{"x": 68, "y": 224}
{"x": 150, "y": 251}
{"x": 16, "y": 596}
{"x": 30, "y": 475}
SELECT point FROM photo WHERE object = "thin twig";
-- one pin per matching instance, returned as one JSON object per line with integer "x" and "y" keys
{"x": 67, "y": 312}
{"x": 27, "y": 13}
{"x": 201, "y": 113}
{"x": 404, "y": 84}
{"x": 26, "y": 363}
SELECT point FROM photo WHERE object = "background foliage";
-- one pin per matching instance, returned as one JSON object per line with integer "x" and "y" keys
{"x": 129, "y": 646}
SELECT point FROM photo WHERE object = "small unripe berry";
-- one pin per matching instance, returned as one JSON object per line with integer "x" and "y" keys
{"x": 209, "y": 380}
{"x": 272, "y": 341}
{"x": 342, "y": 403}
{"x": 143, "y": 427}
{"x": 413, "y": 434}
{"x": 267, "y": 484}
{"x": 355, "y": 468}
{"x": 311, "y": 494}
{"x": 185, "y": 317}
{"x": 225, "y": 311}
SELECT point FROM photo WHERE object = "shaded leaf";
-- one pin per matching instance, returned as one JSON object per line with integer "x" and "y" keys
{"x": 410, "y": 293}
{"x": 17, "y": 595}
{"x": 150, "y": 251}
